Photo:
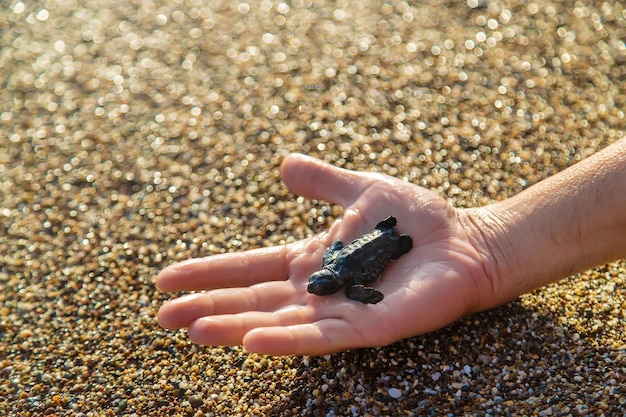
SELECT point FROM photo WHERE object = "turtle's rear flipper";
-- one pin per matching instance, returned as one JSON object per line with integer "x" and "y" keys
{"x": 388, "y": 223}
{"x": 366, "y": 295}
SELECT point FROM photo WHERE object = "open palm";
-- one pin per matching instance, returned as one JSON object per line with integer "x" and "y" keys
{"x": 258, "y": 298}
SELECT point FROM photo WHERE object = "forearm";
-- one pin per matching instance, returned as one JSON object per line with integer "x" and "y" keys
{"x": 565, "y": 224}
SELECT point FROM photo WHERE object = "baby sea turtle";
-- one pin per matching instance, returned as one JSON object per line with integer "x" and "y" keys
{"x": 360, "y": 263}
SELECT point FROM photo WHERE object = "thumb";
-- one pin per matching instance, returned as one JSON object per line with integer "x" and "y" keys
{"x": 319, "y": 180}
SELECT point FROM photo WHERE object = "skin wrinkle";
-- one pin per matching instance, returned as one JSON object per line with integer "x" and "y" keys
{"x": 325, "y": 335}
{"x": 209, "y": 304}
{"x": 302, "y": 257}
{"x": 476, "y": 268}
{"x": 295, "y": 341}
{"x": 388, "y": 338}
{"x": 486, "y": 254}
{"x": 299, "y": 336}
{"x": 242, "y": 324}
{"x": 470, "y": 267}
{"x": 337, "y": 327}
{"x": 246, "y": 260}
{"x": 372, "y": 188}
{"x": 498, "y": 252}
{"x": 252, "y": 299}
{"x": 284, "y": 265}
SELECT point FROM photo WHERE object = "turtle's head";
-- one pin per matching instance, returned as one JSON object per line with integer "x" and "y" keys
{"x": 323, "y": 282}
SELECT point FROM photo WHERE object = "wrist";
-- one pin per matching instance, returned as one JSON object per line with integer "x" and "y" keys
{"x": 506, "y": 258}
{"x": 560, "y": 226}
{"x": 522, "y": 250}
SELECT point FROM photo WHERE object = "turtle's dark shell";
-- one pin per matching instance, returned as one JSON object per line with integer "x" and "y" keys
{"x": 360, "y": 262}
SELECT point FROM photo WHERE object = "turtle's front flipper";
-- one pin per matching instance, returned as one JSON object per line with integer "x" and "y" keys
{"x": 366, "y": 295}
{"x": 388, "y": 223}
{"x": 405, "y": 243}
{"x": 331, "y": 252}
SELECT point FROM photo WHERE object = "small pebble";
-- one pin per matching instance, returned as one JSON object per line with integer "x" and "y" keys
{"x": 395, "y": 393}
{"x": 195, "y": 401}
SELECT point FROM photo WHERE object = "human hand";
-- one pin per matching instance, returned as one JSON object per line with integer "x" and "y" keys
{"x": 258, "y": 298}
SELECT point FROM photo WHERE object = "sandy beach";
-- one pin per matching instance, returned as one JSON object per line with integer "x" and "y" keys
{"x": 137, "y": 134}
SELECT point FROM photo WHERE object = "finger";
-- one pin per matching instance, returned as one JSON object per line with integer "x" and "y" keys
{"x": 318, "y": 338}
{"x": 181, "y": 312}
{"x": 230, "y": 329}
{"x": 226, "y": 270}
{"x": 312, "y": 178}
